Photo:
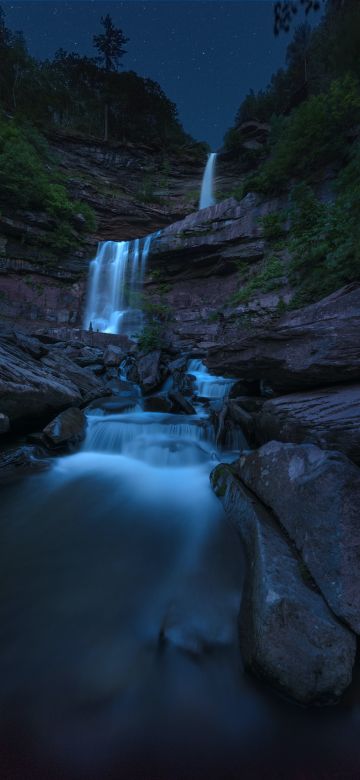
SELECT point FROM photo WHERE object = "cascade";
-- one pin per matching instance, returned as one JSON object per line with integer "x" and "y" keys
{"x": 115, "y": 281}
{"x": 207, "y": 195}
{"x": 207, "y": 385}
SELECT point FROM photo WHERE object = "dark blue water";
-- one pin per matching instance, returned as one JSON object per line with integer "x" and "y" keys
{"x": 120, "y": 591}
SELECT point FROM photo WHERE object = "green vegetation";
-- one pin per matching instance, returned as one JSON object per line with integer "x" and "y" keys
{"x": 29, "y": 179}
{"x": 324, "y": 241}
{"x": 313, "y": 136}
{"x": 266, "y": 280}
{"x": 151, "y": 337}
{"x": 88, "y": 95}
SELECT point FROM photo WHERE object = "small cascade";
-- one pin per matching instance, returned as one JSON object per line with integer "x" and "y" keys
{"x": 152, "y": 437}
{"x": 207, "y": 195}
{"x": 207, "y": 385}
{"x": 115, "y": 280}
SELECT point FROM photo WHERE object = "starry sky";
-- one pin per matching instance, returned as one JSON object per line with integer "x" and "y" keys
{"x": 205, "y": 55}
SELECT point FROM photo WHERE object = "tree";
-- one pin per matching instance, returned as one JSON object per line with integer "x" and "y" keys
{"x": 297, "y": 54}
{"x": 110, "y": 45}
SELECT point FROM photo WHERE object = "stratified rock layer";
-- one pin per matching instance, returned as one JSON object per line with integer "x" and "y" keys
{"x": 311, "y": 347}
{"x": 329, "y": 417}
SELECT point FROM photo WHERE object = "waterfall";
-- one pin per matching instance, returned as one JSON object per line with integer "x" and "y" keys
{"x": 207, "y": 385}
{"x": 115, "y": 280}
{"x": 206, "y": 195}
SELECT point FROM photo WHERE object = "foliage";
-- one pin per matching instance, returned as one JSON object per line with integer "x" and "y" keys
{"x": 273, "y": 225}
{"x": 29, "y": 180}
{"x": 325, "y": 238}
{"x": 152, "y": 337}
{"x": 266, "y": 280}
{"x": 71, "y": 92}
{"x": 314, "y": 135}
{"x": 110, "y": 44}
{"x": 314, "y": 59}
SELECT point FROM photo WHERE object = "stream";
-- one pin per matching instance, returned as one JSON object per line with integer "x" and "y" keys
{"x": 119, "y": 650}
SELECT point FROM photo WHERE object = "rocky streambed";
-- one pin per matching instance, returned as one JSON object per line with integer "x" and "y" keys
{"x": 123, "y": 435}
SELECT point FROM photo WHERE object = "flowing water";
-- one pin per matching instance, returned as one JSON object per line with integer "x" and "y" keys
{"x": 119, "y": 652}
{"x": 114, "y": 287}
{"x": 207, "y": 187}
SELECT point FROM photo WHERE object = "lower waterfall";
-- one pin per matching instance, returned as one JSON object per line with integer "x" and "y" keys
{"x": 114, "y": 288}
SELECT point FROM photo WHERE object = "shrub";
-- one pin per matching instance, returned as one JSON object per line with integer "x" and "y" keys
{"x": 314, "y": 135}
{"x": 29, "y": 180}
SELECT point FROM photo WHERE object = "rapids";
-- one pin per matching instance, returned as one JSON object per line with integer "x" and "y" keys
{"x": 119, "y": 654}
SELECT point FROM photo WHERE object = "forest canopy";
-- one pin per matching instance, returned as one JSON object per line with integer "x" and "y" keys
{"x": 70, "y": 92}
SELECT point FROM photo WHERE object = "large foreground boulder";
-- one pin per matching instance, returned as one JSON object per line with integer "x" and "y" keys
{"x": 329, "y": 417}
{"x": 311, "y": 347}
{"x": 316, "y": 497}
{"x": 35, "y": 388}
{"x": 288, "y": 634}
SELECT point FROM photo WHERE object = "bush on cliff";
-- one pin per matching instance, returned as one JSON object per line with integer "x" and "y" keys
{"x": 313, "y": 136}
{"x": 324, "y": 240}
{"x": 29, "y": 180}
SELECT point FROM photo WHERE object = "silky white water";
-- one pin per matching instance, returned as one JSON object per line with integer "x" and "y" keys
{"x": 206, "y": 385}
{"x": 207, "y": 186}
{"x": 115, "y": 283}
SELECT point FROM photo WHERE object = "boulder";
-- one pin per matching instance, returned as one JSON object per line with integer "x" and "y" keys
{"x": 19, "y": 462}
{"x": 113, "y": 356}
{"x": 67, "y": 430}
{"x": 149, "y": 370}
{"x": 311, "y": 347}
{"x": 329, "y": 417}
{"x": 4, "y": 423}
{"x": 88, "y": 356}
{"x": 33, "y": 389}
{"x": 288, "y": 635}
{"x": 180, "y": 403}
{"x": 316, "y": 497}
{"x": 157, "y": 403}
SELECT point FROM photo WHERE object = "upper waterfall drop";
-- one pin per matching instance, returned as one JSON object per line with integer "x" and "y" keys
{"x": 115, "y": 280}
{"x": 207, "y": 195}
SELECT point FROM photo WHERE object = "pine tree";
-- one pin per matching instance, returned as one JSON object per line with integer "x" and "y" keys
{"x": 110, "y": 45}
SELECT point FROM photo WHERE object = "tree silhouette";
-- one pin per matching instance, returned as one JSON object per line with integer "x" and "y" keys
{"x": 298, "y": 51}
{"x": 110, "y": 45}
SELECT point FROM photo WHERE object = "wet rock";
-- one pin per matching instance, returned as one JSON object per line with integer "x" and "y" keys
{"x": 180, "y": 403}
{"x": 113, "y": 356}
{"x": 311, "y": 347}
{"x": 329, "y": 417}
{"x": 150, "y": 371}
{"x": 288, "y": 635}
{"x": 157, "y": 403}
{"x": 30, "y": 344}
{"x": 88, "y": 356}
{"x": 33, "y": 389}
{"x": 19, "y": 462}
{"x": 4, "y": 423}
{"x": 66, "y": 431}
{"x": 316, "y": 497}
{"x": 114, "y": 404}
{"x": 97, "y": 368}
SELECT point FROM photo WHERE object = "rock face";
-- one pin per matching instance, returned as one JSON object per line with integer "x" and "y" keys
{"x": 316, "y": 497}
{"x": 33, "y": 388}
{"x": 288, "y": 634}
{"x": 67, "y": 430}
{"x": 312, "y": 347}
{"x": 329, "y": 417}
{"x": 40, "y": 285}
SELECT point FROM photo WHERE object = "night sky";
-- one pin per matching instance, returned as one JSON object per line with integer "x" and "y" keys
{"x": 205, "y": 55}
